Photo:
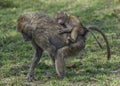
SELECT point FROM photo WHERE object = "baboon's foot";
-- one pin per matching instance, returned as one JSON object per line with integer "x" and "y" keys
{"x": 49, "y": 74}
{"x": 29, "y": 78}
{"x": 61, "y": 76}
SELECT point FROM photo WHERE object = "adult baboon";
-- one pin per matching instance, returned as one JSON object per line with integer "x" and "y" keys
{"x": 42, "y": 31}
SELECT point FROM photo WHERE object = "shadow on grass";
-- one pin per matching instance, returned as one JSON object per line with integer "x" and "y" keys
{"x": 94, "y": 72}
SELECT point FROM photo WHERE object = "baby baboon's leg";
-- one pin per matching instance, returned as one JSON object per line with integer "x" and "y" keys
{"x": 74, "y": 34}
{"x": 36, "y": 58}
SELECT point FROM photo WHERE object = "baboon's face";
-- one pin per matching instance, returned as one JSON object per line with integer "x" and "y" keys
{"x": 26, "y": 36}
{"x": 21, "y": 27}
{"x": 61, "y": 18}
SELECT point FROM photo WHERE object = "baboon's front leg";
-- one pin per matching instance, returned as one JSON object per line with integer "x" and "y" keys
{"x": 36, "y": 58}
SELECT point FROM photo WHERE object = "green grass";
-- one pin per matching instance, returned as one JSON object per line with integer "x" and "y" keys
{"x": 92, "y": 70}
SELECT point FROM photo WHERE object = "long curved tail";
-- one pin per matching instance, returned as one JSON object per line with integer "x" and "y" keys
{"x": 90, "y": 28}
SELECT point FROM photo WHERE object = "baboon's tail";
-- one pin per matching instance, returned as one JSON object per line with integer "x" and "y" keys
{"x": 90, "y": 28}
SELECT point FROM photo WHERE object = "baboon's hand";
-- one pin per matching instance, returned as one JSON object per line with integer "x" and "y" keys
{"x": 61, "y": 31}
{"x": 64, "y": 30}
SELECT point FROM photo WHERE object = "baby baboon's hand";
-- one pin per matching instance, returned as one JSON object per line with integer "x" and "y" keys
{"x": 61, "y": 31}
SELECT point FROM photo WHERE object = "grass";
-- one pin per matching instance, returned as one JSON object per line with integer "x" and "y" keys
{"x": 92, "y": 70}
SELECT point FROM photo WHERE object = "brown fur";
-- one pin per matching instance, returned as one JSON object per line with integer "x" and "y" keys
{"x": 42, "y": 31}
{"x": 71, "y": 24}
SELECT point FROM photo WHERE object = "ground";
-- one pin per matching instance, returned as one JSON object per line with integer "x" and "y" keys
{"x": 92, "y": 67}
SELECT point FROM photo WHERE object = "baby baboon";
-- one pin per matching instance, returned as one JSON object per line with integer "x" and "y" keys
{"x": 42, "y": 31}
{"x": 71, "y": 24}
